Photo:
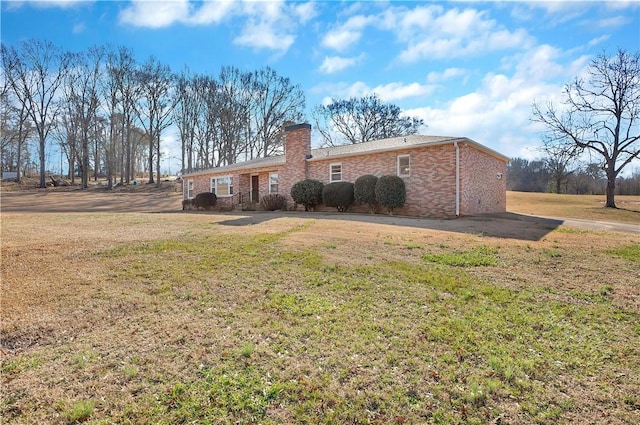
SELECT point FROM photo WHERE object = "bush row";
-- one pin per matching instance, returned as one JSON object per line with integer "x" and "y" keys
{"x": 386, "y": 191}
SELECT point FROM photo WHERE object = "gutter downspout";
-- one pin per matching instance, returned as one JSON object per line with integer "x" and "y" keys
{"x": 455, "y": 145}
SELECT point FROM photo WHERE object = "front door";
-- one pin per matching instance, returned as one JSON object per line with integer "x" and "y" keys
{"x": 255, "y": 189}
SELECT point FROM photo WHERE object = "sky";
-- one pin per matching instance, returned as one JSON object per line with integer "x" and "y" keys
{"x": 467, "y": 68}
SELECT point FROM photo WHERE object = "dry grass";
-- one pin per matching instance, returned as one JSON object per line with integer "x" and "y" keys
{"x": 311, "y": 318}
{"x": 588, "y": 207}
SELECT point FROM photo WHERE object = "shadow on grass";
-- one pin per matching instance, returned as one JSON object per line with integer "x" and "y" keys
{"x": 503, "y": 225}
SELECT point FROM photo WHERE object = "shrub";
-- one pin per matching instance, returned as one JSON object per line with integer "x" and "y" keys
{"x": 273, "y": 202}
{"x": 339, "y": 195}
{"x": 187, "y": 204}
{"x": 391, "y": 192}
{"x": 205, "y": 200}
{"x": 308, "y": 193}
{"x": 364, "y": 191}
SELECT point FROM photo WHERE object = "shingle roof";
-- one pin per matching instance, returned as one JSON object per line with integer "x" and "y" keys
{"x": 252, "y": 163}
{"x": 394, "y": 143}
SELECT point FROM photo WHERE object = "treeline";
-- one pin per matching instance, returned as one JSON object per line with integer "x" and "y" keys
{"x": 543, "y": 175}
{"x": 107, "y": 112}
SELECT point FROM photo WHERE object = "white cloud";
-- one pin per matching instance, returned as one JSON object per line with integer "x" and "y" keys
{"x": 267, "y": 24}
{"x": 333, "y": 64}
{"x": 153, "y": 14}
{"x": 432, "y": 32}
{"x": 212, "y": 12}
{"x": 53, "y": 3}
{"x": 305, "y": 12}
{"x": 468, "y": 42}
{"x": 598, "y": 40}
{"x": 79, "y": 28}
{"x": 498, "y": 112}
{"x": 270, "y": 25}
{"x": 609, "y": 22}
{"x": 398, "y": 90}
{"x": 390, "y": 92}
{"x": 344, "y": 36}
{"x": 447, "y": 74}
{"x": 263, "y": 35}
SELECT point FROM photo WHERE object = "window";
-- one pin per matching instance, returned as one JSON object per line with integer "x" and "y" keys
{"x": 404, "y": 165}
{"x": 273, "y": 183}
{"x": 335, "y": 172}
{"x": 189, "y": 189}
{"x": 222, "y": 186}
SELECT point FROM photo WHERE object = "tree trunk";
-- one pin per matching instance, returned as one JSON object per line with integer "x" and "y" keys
{"x": 19, "y": 159}
{"x": 43, "y": 183}
{"x": 158, "y": 172}
{"x": 611, "y": 189}
{"x": 85, "y": 162}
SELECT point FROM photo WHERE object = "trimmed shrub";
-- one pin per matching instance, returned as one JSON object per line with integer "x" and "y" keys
{"x": 338, "y": 194}
{"x": 364, "y": 191}
{"x": 205, "y": 200}
{"x": 391, "y": 192}
{"x": 308, "y": 193}
{"x": 273, "y": 202}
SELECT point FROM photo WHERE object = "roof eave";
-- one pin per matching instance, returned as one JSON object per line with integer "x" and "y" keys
{"x": 392, "y": 149}
{"x": 231, "y": 168}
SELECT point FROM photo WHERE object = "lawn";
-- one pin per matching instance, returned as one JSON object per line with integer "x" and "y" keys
{"x": 204, "y": 318}
{"x": 589, "y": 207}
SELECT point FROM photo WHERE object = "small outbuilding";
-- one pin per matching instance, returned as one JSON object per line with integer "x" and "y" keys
{"x": 444, "y": 176}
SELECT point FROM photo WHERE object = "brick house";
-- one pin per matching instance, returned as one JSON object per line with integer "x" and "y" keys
{"x": 444, "y": 176}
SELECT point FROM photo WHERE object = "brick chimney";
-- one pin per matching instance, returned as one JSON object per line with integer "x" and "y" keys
{"x": 297, "y": 149}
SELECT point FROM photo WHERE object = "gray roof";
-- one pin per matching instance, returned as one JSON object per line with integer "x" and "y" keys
{"x": 269, "y": 161}
{"x": 382, "y": 145}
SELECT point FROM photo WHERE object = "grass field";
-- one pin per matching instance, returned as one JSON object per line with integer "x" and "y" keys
{"x": 213, "y": 318}
{"x": 588, "y": 207}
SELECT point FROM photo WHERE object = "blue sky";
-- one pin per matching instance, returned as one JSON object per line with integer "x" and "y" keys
{"x": 468, "y": 69}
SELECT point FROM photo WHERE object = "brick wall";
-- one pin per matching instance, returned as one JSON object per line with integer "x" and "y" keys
{"x": 431, "y": 186}
{"x": 481, "y": 189}
{"x": 296, "y": 149}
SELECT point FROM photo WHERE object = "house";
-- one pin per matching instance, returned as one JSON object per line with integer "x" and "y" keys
{"x": 444, "y": 176}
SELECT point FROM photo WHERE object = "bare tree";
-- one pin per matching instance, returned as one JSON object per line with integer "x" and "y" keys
{"x": 122, "y": 71}
{"x": 559, "y": 161}
{"x": 15, "y": 129}
{"x": 155, "y": 107}
{"x": 191, "y": 93}
{"x": 358, "y": 120}
{"x": 35, "y": 72}
{"x": 67, "y": 133}
{"x": 275, "y": 100}
{"x": 81, "y": 93}
{"x": 601, "y": 114}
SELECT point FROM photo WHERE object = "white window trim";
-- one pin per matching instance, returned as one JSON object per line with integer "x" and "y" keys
{"x": 213, "y": 186}
{"x": 400, "y": 174}
{"x": 189, "y": 189}
{"x": 331, "y": 180}
{"x": 277, "y": 182}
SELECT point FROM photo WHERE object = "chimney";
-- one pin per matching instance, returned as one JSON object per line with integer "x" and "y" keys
{"x": 297, "y": 150}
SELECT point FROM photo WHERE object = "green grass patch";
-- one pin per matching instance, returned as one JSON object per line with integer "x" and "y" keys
{"x": 19, "y": 365}
{"x": 79, "y": 412}
{"x": 480, "y": 256}
{"x": 251, "y": 330}
{"x": 628, "y": 252}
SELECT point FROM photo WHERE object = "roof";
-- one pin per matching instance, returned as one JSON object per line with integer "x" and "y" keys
{"x": 396, "y": 143}
{"x": 267, "y": 162}
{"x": 374, "y": 146}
